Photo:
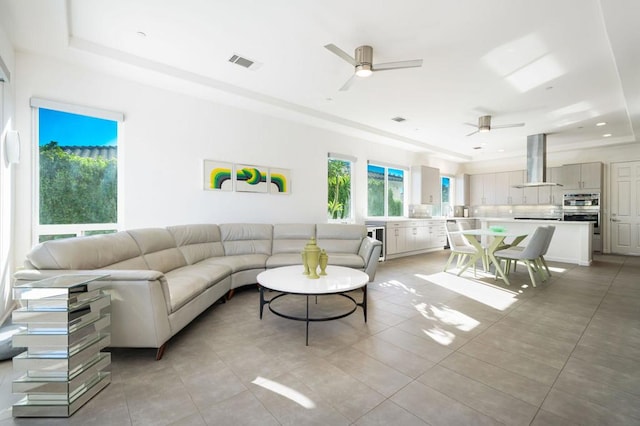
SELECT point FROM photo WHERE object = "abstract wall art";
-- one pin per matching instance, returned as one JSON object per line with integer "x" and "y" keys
{"x": 218, "y": 176}
{"x": 251, "y": 178}
{"x": 279, "y": 181}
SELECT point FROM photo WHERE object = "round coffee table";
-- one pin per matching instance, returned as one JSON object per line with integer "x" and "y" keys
{"x": 290, "y": 280}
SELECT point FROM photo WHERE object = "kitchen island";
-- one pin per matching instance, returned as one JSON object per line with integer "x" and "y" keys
{"x": 571, "y": 243}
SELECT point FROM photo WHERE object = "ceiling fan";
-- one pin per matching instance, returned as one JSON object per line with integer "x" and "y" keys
{"x": 484, "y": 125}
{"x": 363, "y": 62}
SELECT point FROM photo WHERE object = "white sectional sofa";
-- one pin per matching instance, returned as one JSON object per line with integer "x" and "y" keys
{"x": 160, "y": 279}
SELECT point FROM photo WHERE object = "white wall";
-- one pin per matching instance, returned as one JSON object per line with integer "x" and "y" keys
{"x": 6, "y": 175}
{"x": 165, "y": 139}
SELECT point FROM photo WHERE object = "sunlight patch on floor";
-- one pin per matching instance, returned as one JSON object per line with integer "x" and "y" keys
{"x": 285, "y": 391}
{"x": 490, "y": 295}
{"x": 447, "y": 316}
{"x": 440, "y": 335}
{"x": 399, "y": 285}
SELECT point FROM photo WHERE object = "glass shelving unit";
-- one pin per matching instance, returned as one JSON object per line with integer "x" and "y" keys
{"x": 67, "y": 321}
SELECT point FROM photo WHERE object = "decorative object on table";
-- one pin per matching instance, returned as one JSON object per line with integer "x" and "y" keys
{"x": 498, "y": 228}
{"x": 304, "y": 263}
{"x": 312, "y": 256}
{"x": 323, "y": 260}
{"x": 218, "y": 176}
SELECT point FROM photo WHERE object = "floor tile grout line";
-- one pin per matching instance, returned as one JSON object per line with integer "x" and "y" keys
{"x": 578, "y": 342}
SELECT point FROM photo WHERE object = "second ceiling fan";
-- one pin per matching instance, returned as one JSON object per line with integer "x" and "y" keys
{"x": 484, "y": 125}
{"x": 363, "y": 62}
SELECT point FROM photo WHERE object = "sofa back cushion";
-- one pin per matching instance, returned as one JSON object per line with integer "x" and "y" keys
{"x": 246, "y": 238}
{"x": 291, "y": 238}
{"x": 198, "y": 242}
{"x": 107, "y": 251}
{"x": 158, "y": 249}
{"x": 340, "y": 238}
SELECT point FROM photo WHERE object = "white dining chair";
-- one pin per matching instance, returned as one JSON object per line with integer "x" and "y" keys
{"x": 529, "y": 255}
{"x": 542, "y": 263}
{"x": 459, "y": 246}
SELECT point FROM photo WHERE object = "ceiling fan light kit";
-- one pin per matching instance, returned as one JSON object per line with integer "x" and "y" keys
{"x": 484, "y": 125}
{"x": 362, "y": 61}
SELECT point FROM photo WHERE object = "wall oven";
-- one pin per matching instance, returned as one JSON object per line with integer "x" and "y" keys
{"x": 582, "y": 207}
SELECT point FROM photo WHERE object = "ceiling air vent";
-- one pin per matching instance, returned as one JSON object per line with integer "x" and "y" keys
{"x": 399, "y": 119}
{"x": 244, "y": 62}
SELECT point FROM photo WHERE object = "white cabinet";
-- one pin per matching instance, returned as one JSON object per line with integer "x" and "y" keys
{"x": 396, "y": 238}
{"x": 437, "y": 234}
{"x": 582, "y": 176}
{"x": 551, "y": 194}
{"x": 530, "y": 195}
{"x": 414, "y": 236}
{"x": 426, "y": 187}
{"x": 482, "y": 189}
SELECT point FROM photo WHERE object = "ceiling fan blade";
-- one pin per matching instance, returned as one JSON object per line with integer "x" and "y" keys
{"x": 397, "y": 65}
{"x": 348, "y": 83}
{"x": 504, "y": 126}
{"x": 471, "y": 124}
{"x": 344, "y": 55}
{"x": 473, "y": 133}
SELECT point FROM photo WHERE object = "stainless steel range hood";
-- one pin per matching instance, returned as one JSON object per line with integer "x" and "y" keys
{"x": 537, "y": 162}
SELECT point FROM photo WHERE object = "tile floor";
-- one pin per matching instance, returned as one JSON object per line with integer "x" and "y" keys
{"x": 437, "y": 349}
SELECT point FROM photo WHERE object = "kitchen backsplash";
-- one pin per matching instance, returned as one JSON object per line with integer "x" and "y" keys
{"x": 532, "y": 211}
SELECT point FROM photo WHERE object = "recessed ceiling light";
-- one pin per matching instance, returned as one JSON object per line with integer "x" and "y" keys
{"x": 606, "y": 135}
{"x": 483, "y": 144}
{"x": 399, "y": 119}
{"x": 477, "y": 147}
{"x": 501, "y": 150}
{"x": 602, "y": 123}
{"x": 141, "y": 34}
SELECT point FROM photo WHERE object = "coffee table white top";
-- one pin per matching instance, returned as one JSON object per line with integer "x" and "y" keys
{"x": 290, "y": 279}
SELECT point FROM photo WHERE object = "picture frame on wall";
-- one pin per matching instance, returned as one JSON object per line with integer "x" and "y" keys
{"x": 217, "y": 175}
{"x": 279, "y": 181}
{"x": 250, "y": 178}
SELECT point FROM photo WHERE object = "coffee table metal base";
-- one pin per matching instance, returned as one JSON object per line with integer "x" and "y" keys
{"x": 307, "y": 319}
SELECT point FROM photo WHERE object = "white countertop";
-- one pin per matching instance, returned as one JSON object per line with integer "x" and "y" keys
{"x": 548, "y": 222}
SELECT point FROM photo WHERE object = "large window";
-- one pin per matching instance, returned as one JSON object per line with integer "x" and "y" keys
{"x": 77, "y": 173}
{"x": 339, "y": 179}
{"x": 385, "y": 190}
{"x": 448, "y": 196}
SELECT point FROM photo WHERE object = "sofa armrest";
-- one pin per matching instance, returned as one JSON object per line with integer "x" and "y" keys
{"x": 139, "y": 307}
{"x": 25, "y": 275}
{"x": 370, "y": 249}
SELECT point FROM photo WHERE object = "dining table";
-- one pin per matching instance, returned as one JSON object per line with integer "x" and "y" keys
{"x": 486, "y": 252}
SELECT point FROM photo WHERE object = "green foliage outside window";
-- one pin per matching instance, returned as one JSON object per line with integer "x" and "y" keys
{"x": 339, "y": 179}
{"x": 76, "y": 189}
{"x": 376, "y": 177}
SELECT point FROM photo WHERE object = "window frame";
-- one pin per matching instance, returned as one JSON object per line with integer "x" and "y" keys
{"x": 405, "y": 186}
{"x": 352, "y": 160}
{"x": 75, "y": 229}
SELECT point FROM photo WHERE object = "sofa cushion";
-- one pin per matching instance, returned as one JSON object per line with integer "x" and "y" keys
{"x": 346, "y": 259}
{"x": 291, "y": 238}
{"x": 284, "y": 259}
{"x": 94, "y": 252}
{"x": 158, "y": 249}
{"x": 246, "y": 238}
{"x": 239, "y": 263}
{"x": 198, "y": 242}
{"x": 340, "y": 238}
{"x": 185, "y": 284}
